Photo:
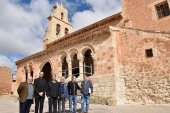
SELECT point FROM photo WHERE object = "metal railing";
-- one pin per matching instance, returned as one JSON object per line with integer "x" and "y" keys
{"x": 86, "y": 70}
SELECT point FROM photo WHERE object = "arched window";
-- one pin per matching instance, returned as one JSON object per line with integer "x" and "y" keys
{"x": 62, "y": 15}
{"x": 58, "y": 27}
{"x": 88, "y": 63}
{"x": 75, "y": 66}
{"x": 66, "y": 31}
{"x": 65, "y": 68}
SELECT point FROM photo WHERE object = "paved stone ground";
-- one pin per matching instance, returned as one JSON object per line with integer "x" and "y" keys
{"x": 10, "y": 105}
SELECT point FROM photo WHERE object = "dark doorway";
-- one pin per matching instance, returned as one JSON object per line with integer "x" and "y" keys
{"x": 47, "y": 71}
{"x": 88, "y": 63}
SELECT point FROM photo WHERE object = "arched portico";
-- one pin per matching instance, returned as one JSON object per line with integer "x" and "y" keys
{"x": 88, "y": 52}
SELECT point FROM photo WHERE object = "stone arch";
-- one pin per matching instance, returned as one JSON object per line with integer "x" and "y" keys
{"x": 62, "y": 55}
{"x": 44, "y": 62}
{"x": 85, "y": 47}
{"x": 46, "y": 67}
{"x": 64, "y": 65}
{"x": 88, "y": 62}
{"x": 74, "y": 56}
{"x": 73, "y": 52}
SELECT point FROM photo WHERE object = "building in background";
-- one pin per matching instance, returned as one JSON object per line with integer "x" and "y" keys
{"x": 5, "y": 80}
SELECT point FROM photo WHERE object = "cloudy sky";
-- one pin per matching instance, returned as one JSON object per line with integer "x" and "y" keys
{"x": 23, "y": 22}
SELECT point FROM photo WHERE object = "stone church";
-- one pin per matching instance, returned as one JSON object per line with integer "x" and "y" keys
{"x": 126, "y": 55}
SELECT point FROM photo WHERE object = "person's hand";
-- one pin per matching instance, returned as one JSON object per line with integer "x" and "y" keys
{"x": 41, "y": 93}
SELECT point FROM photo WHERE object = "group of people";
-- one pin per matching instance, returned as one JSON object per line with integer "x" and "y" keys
{"x": 57, "y": 93}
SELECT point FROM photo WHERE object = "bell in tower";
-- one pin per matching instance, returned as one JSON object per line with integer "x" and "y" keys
{"x": 58, "y": 24}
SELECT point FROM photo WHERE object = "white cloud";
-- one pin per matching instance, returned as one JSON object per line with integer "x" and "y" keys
{"x": 22, "y": 27}
{"x": 5, "y": 61}
{"x": 100, "y": 9}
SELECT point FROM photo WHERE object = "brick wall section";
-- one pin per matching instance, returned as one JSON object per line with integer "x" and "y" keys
{"x": 146, "y": 80}
{"x": 143, "y": 15}
{"x": 5, "y": 81}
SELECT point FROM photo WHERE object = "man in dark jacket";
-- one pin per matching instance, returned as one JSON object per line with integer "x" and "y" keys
{"x": 40, "y": 86}
{"x": 86, "y": 90}
{"x": 25, "y": 92}
{"x": 53, "y": 89}
{"x": 63, "y": 95}
{"x": 72, "y": 91}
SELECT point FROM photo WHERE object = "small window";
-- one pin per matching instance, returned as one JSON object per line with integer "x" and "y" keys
{"x": 66, "y": 31}
{"x": 162, "y": 9}
{"x": 62, "y": 16}
{"x": 57, "y": 29}
{"x": 149, "y": 53}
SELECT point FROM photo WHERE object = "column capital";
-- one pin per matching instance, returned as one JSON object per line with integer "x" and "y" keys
{"x": 81, "y": 59}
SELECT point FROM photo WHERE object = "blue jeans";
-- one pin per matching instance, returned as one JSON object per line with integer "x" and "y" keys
{"x": 85, "y": 99}
{"x": 73, "y": 102}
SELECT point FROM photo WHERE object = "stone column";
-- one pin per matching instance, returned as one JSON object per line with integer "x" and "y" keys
{"x": 81, "y": 60}
{"x": 94, "y": 64}
{"x": 69, "y": 62}
{"x": 60, "y": 69}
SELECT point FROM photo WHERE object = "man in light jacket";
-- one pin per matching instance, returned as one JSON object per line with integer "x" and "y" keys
{"x": 86, "y": 90}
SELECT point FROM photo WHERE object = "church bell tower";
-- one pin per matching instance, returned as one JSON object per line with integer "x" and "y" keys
{"x": 58, "y": 24}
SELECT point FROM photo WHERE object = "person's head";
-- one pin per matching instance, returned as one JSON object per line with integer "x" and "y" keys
{"x": 62, "y": 79}
{"x": 41, "y": 74}
{"x": 29, "y": 79}
{"x": 73, "y": 78}
{"x": 53, "y": 76}
{"x": 86, "y": 77}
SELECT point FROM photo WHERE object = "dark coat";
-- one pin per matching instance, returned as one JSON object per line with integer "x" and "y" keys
{"x": 53, "y": 89}
{"x": 23, "y": 91}
{"x": 85, "y": 87}
{"x": 40, "y": 85}
{"x": 72, "y": 88}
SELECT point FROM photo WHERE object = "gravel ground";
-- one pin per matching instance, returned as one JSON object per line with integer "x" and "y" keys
{"x": 10, "y": 105}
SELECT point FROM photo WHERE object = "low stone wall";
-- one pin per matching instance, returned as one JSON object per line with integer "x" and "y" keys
{"x": 104, "y": 90}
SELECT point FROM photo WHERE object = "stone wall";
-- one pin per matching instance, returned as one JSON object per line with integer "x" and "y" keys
{"x": 5, "y": 80}
{"x": 104, "y": 90}
{"x": 142, "y": 14}
{"x": 146, "y": 80}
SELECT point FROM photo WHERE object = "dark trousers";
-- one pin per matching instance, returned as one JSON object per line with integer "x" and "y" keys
{"x": 52, "y": 102}
{"x": 62, "y": 102}
{"x": 39, "y": 104}
{"x": 25, "y": 106}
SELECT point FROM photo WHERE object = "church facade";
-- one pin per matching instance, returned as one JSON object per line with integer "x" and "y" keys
{"x": 126, "y": 55}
